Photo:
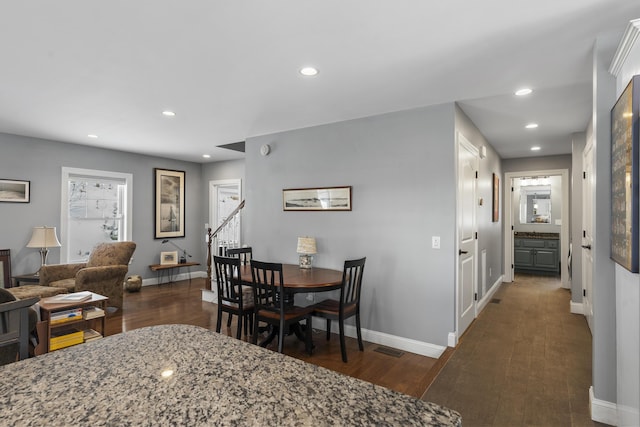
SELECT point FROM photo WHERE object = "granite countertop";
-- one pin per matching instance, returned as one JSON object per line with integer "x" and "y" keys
{"x": 536, "y": 235}
{"x": 217, "y": 380}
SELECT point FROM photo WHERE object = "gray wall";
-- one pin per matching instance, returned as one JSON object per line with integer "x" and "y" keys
{"x": 402, "y": 170}
{"x": 536, "y": 163}
{"x": 41, "y": 161}
{"x": 490, "y": 234}
{"x": 604, "y": 295}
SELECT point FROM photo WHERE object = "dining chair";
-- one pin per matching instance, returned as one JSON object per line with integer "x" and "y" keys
{"x": 245, "y": 259}
{"x": 233, "y": 297}
{"x": 244, "y": 254}
{"x": 349, "y": 304}
{"x": 17, "y": 320}
{"x": 270, "y": 307}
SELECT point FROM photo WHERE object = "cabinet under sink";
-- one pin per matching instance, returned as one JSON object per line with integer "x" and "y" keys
{"x": 536, "y": 253}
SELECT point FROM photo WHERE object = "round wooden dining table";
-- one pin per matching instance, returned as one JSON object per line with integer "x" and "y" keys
{"x": 299, "y": 280}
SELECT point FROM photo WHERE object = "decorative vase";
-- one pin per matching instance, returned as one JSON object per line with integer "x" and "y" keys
{"x": 133, "y": 283}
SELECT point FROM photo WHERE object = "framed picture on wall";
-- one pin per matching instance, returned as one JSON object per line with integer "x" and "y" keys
{"x": 496, "y": 199}
{"x": 317, "y": 199}
{"x": 169, "y": 203}
{"x": 13, "y": 191}
{"x": 624, "y": 177}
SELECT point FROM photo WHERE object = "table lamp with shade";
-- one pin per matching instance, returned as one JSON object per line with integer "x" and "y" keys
{"x": 44, "y": 238}
{"x": 306, "y": 250}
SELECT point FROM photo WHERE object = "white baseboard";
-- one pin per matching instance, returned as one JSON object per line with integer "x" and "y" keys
{"x": 400, "y": 343}
{"x": 452, "y": 339}
{"x": 486, "y": 298}
{"x": 602, "y": 411}
{"x": 209, "y": 295}
{"x": 576, "y": 307}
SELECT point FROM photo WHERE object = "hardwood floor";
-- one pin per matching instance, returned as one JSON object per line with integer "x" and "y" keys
{"x": 181, "y": 303}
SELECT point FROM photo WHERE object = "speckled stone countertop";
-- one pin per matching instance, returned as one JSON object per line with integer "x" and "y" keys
{"x": 217, "y": 380}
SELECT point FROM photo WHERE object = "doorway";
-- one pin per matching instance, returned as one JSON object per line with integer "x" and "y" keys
{"x": 225, "y": 196}
{"x": 533, "y": 210}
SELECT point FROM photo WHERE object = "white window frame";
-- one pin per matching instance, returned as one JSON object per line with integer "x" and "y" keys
{"x": 68, "y": 173}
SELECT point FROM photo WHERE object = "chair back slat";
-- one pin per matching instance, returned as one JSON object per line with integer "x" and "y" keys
{"x": 245, "y": 254}
{"x": 228, "y": 280}
{"x": 351, "y": 282}
{"x": 268, "y": 286}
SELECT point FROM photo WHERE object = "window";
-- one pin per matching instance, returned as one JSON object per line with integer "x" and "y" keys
{"x": 96, "y": 208}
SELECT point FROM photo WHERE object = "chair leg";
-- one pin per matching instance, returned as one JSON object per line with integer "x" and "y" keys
{"x": 239, "y": 333}
{"x": 281, "y": 336}
{"x": 359, "y": 332}
{"x": 254, "y": 335}
{"x": 219, "y": 321}
{"x": 328, "y": 329}
{"x": 229, "y": 319}
{"x": 343, "y": 348}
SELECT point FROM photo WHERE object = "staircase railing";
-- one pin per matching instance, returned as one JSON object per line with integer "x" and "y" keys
{"x": 223, "y": 238}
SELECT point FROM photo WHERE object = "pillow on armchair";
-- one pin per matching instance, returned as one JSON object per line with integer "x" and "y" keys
{"x": 103, "y": 273}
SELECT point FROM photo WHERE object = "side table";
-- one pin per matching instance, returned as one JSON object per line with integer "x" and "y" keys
{"x": 50, "y": 306}
{"x": 26, "y": 278}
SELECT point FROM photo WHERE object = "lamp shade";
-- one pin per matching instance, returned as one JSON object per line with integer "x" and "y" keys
{"x": 44, "y": 237}
{"x": 306, "y": 245}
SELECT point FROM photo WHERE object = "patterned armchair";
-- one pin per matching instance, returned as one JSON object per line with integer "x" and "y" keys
{"x": 103, "y": 273}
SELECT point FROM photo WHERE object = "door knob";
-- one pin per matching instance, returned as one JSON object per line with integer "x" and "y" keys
{"x": 587, "y": 247}
{"x": 460, "y": 252}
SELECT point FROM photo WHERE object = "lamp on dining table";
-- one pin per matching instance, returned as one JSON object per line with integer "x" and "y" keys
{"x": 44, "y": 238}
{"x": 306, "y": 250}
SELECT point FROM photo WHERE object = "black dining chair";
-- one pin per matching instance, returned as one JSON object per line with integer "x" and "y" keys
{"x": 233, "y": 297}
{"x": 349, "y": 304}
{"x": 270, "y": 307}
{"x": 244, "y": 254}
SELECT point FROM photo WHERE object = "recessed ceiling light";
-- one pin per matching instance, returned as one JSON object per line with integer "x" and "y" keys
{"x": 535, "y": 148}
{"x": 206, "y": 156}
{"x": 531, "y": 126}
{"x": 308, "y": 71}
{"x": 523, "y": 91}
{"x": 92, "y": 136}
{"x": 168, "y": 113}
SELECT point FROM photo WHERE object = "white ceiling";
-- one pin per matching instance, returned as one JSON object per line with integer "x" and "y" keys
{"x": 229, "y": 69}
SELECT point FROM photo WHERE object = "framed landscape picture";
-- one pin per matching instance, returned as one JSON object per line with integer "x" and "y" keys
{"x": 624, "y": 177}
{"x": 317, "y": 199}
{"x": 14, "y": 191}
{"x": 169, "y": 203}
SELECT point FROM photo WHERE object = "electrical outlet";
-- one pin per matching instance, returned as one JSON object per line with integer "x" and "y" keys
{"x": 435, "y": 242}
{"x": 489, "y": 271}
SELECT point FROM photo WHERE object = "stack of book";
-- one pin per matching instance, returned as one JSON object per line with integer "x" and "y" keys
{"x": 65, "y": 316}
{"x": 92, "y": 312}
{"x": 91, "y": 335}
{"x": 65, "y": 338}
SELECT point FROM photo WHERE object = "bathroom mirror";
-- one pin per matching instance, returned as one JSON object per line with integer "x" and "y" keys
{"x": 535, "y": 203}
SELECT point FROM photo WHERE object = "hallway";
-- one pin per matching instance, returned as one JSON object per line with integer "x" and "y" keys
{"x": 525, "y": 361}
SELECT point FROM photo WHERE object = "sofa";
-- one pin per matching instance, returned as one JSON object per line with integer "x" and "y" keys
{"x": 103, "y": 273}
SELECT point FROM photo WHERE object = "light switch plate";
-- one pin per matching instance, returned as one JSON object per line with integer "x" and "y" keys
{"x": 435, "y": 242}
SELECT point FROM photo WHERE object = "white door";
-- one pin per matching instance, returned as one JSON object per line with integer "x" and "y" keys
{"x": 467, "y": 276}
{"x": 587, "y": 233}
{"x": 225, "y": 196}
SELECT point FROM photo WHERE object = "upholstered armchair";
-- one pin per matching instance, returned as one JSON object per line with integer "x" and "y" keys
{"x": 103, "y": 273}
